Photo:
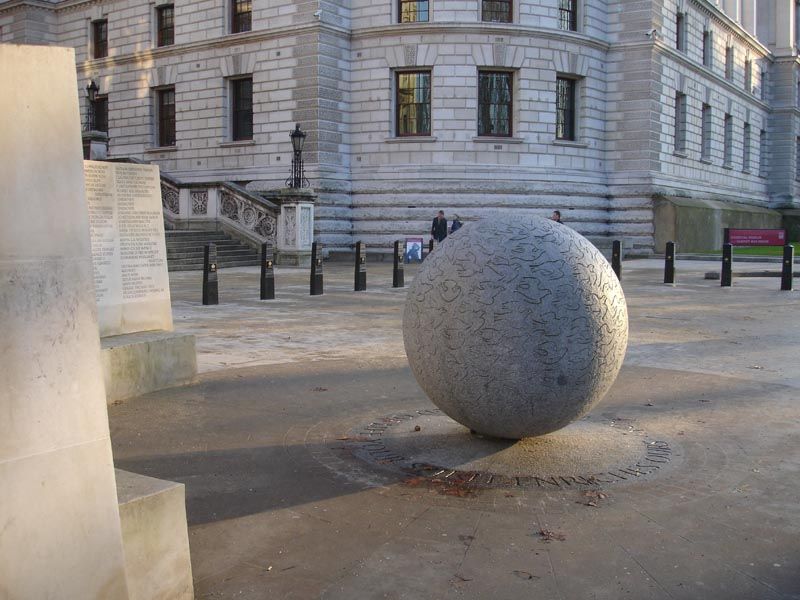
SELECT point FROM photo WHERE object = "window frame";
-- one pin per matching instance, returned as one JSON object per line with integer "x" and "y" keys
{"x": 397, "y": 104}
{"x": 509, "y": 12}
{"x": 571, "y": 12}
{"x": 99, "y": 42}
{"x": 238, "y": 17}
{"x": 681, "y": 114}
{"x": 161, "y": 29}
{"x": 571, "y": 111}
{"x": 748, "y": 75}
{"x": 763, "y": 151}
{"x": 708, "y": 48}
{"x": 727, "y": 141}
{"x": 730, "y": 62}
{"x": 509, "y": 106}
{"x": 235, "y": 96}
{"x": 746, "y": 147}
{"x": 706, "y": 127}
{"x": 402, "y": 3}
{"x": 680, "y": 31}
{"x": 164, "y": 118}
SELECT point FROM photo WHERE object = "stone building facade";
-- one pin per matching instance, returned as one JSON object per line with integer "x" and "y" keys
{"x": 647, "y": 120}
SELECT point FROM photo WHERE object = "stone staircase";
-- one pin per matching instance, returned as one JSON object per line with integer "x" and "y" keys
{"x": 185, "y": 250}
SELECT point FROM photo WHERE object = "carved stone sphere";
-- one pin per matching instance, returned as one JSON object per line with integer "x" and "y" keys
{"x": 515, "y": 326}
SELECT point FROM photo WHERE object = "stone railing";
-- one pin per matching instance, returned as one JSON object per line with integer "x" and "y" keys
{"x": 219, "y": 205}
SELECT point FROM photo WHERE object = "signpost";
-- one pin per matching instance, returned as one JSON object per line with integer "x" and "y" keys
{"x": 757, "y": 237}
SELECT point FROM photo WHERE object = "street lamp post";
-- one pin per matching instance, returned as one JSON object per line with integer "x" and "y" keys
{"x": 91, "y": 97}
{"x": 298, "y": 177}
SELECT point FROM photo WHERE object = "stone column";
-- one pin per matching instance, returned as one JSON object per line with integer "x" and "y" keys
{"x": 295, "y": 226}
{"x": 59, "y": 518}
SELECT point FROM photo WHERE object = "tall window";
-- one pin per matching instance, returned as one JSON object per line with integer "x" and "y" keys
{"x": 494, "y": 103}
{"x": 100, "y": 39}
{"x": 568, "y": 15}
{"x": 165, "y": 17}
{"x": 680, "y": 31}
{"x": 705, "y": 133}
{"x": 680, "y": 122}
{"x": 746, "y": 146}
{"x": 729, "y": 62}
{"x": 797, "y": 159}
{"x": 241, "y": 12}
{"x": 166, "y": 116}
{"x": 413, "y": 104}
{"x": 242, "y": 109}
{"x": 565, "y": 108}
{"x": 496, "y": 11}
{"x": 748, "y": 76}
{"x": 727, "y": 142}
{"x": 412, "y": 11}
{"x": 762, "y": 154}
{"x": 100, "y": 108}
{"x": 708, "y": 49}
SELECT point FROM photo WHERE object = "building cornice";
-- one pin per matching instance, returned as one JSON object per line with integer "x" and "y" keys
{"x": 17, "y": 4}
{"x": 713, "y": 12}
{"x": 510, "y": 29}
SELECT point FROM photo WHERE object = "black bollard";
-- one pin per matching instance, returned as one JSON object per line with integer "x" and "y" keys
{"x": 727, "y": 265}
{"x": 316, "y": 269}
{"x": 430, "y": 248}
{"x": 360, "y": 276}
{"x": 616, "y": 258}
{"x": 210, "y": 284}
{"x": 669, "y": 263}
{"x": 398, "y": 278}
{"x": 788, "y": 264}
{"x": 267, "y": 273}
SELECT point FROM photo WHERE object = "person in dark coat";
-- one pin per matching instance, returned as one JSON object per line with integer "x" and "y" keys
{"x": 456, "y": 224}
{"x": 439, "y": 227}
{"x": 556, "y": 216}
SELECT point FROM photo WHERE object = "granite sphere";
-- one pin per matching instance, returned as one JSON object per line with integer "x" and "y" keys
{"x": 515, "y": 326}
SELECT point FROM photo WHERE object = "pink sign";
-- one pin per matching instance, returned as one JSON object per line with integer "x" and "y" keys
{"x": 756, "y": 237}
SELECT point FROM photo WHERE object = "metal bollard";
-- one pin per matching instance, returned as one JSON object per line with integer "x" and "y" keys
{"x": 616, "y": 258}
{"x": 788, "y": 265}
{"x": 398, "y": 277}
{"x": 360, "y": 278}
{"x": 316, "y": 269}
{"x": 210, "y": 284}
{"x": 430, "y": 248}
{"x": 727, "y": 265}
{"x": 267, "y": 273}
{"x": 669, "y": 263}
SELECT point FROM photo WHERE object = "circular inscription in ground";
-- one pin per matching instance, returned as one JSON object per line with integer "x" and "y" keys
{"x": 428, "y": 443}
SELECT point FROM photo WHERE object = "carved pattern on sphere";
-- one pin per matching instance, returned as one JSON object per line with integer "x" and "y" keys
{"x": 289, "y": 229}
{"x": 515, "y": 326}
{"x": 169, "y": 199}
{"x": 199, "y": 202}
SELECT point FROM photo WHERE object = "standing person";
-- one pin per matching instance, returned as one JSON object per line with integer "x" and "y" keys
{"x": 556, "y": 216}
{"x": 439, "y": 227}
{"x": 456, "y": 224}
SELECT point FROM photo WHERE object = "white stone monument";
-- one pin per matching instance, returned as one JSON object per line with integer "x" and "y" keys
{"x": 61, "y": 535}
{"x": 141, "y": 353}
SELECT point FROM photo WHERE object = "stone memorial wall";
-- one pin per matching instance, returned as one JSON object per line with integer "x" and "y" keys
{"x": 128, "y": 247}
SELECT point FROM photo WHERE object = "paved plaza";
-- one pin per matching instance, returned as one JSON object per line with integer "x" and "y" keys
{"x": 295, "y": 443}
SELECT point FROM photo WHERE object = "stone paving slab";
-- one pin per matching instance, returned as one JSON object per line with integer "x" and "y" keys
{"x": 280, "y": 506}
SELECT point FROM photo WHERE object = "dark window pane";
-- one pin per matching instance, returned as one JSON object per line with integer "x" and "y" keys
{"x": 100, "y": 38}
{"x": 101, "y": 113}
{"x": 494, "y": 103}
{"x": 166, "y": 25}
{"x": 242, "y": 11}
{"x": 568, "y": 15}
{"x": 166, "y": 117}
{"x": 565, "y": 109}
{"x": 242, "y": 113}
{"x": 414, "y": 103}
{"x": 412, "y": 11}
{"x": 496, "y": 11}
